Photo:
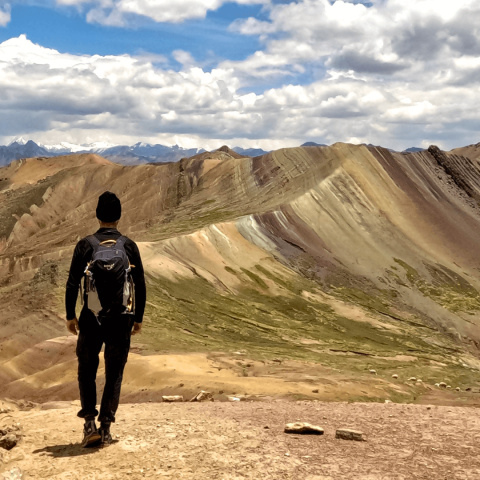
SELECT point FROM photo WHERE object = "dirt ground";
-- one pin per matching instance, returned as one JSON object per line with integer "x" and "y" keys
{"x": 246, "y": 440}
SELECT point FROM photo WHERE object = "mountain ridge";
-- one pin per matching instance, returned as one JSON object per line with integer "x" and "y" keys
{"x": 350, "y": 257}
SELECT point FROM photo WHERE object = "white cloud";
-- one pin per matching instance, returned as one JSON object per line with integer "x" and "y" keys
{"x": 5, "y": 15}
{"x": 399, "y": 74}
{"x": 120, "y": 12}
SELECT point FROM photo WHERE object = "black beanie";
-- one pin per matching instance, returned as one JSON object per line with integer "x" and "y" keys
{"x": 109, "y": 209}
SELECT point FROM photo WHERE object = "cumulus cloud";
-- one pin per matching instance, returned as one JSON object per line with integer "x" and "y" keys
{"x": 398, "y": 73}
{"x": 4, "y": 15}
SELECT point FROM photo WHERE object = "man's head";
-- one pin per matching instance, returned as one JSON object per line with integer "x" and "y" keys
{"x": 109, "y": 208}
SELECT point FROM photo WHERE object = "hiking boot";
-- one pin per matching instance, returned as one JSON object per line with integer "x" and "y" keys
{"x": 105, "y": 437}
{"x": 91, "y": 436}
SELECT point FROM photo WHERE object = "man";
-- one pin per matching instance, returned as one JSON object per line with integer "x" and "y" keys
{"x": 113, "y": 330}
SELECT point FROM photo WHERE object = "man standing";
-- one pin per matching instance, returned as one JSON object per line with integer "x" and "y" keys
{"x": 112, "y": 329}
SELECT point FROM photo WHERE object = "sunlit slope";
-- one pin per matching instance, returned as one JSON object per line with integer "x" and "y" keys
{"x": 349, "y": 256}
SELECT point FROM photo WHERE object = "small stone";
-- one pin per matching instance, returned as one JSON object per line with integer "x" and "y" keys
{"x": 14, "y": 474}
{"x": 412, "y": 379}
{"x": 303, "y": 428}
{"x": 347, "y": 434}
{"x": 449, "y": 386}
{"x": 394, "y": 375}
{"x": 457, "y": 389}
{"x": 202, "y": 397}
{"x": 373, "y": 372}
{"x": 315, "y": 390}
{"x": 437, "y": 384}
{"x": 419, "y": 380}
{"x": 468, "y": 389}
{"x": 8, "y": 441}
{"x": 172, "y": 398}
{"x": 233, "y": 399}
{"x": 442, "y": 385}
{"x": 388, "y": 401}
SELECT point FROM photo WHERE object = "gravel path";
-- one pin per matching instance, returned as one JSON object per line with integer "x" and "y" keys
{"x": 245, "y": 440}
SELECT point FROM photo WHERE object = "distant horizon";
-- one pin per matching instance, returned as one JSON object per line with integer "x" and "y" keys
{"x": 104, "y": 145}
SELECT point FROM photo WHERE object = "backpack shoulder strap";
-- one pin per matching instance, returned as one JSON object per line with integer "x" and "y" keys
{"x": 93, "y": 241}
{"x": 121, "y": 241}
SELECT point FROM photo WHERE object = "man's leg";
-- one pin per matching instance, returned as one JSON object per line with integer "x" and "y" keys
{"x": 117, "y": 345}
{"x": 89, "y": 345}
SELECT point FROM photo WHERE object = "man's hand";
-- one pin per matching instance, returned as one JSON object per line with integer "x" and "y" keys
{"x": 72, "y": 326}
{"x": 137, "y": 328}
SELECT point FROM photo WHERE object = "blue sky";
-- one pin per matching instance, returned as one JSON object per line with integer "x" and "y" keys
{"x": 251, "y": 73}
{"x": 66, "y": 30}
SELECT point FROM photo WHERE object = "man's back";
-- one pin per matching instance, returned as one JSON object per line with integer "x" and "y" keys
{"x": 83, "y": 254}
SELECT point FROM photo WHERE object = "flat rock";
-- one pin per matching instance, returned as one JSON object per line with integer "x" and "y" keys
{"x": 172, "y": 398}
{"x": 303, "y": 428}
{"x": 347, "y": 434}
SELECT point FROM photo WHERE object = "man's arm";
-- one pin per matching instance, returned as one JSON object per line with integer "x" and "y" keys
{"x": 138, "y": 276}
{"x": 77, "y": 269}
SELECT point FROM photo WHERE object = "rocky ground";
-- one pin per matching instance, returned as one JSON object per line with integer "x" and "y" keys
{"x": 246, "y": 440}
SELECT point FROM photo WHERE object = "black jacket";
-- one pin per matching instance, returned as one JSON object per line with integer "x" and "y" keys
{"x": 83, "y": 254}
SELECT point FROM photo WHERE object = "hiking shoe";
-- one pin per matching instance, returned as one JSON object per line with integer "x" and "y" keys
{"x": 105, "y": 437}
{"x": 91, "y": 436}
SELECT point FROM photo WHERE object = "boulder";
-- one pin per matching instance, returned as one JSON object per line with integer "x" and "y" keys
{"x": 303, "y": 428}
{"x": 347, "y": 434}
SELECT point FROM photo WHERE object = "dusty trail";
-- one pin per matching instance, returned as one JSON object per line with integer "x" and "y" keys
{"x": 246, "y": 441}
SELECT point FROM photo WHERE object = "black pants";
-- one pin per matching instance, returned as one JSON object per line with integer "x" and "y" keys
{"x": 115, "y": 334}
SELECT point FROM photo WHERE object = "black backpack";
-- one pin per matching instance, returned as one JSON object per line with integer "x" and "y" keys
{"x": 109, "y": 288}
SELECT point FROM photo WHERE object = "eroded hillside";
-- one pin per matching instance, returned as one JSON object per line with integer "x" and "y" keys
{"x": 340, "y": 259}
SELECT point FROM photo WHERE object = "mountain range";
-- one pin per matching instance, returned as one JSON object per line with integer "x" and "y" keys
{"x": 140, "y": 153}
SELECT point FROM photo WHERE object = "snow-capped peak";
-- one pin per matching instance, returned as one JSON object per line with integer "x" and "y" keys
{"x": 19, "y": 141}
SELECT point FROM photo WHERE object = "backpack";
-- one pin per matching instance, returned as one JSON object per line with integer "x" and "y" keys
{"x": 109, "y": 287}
